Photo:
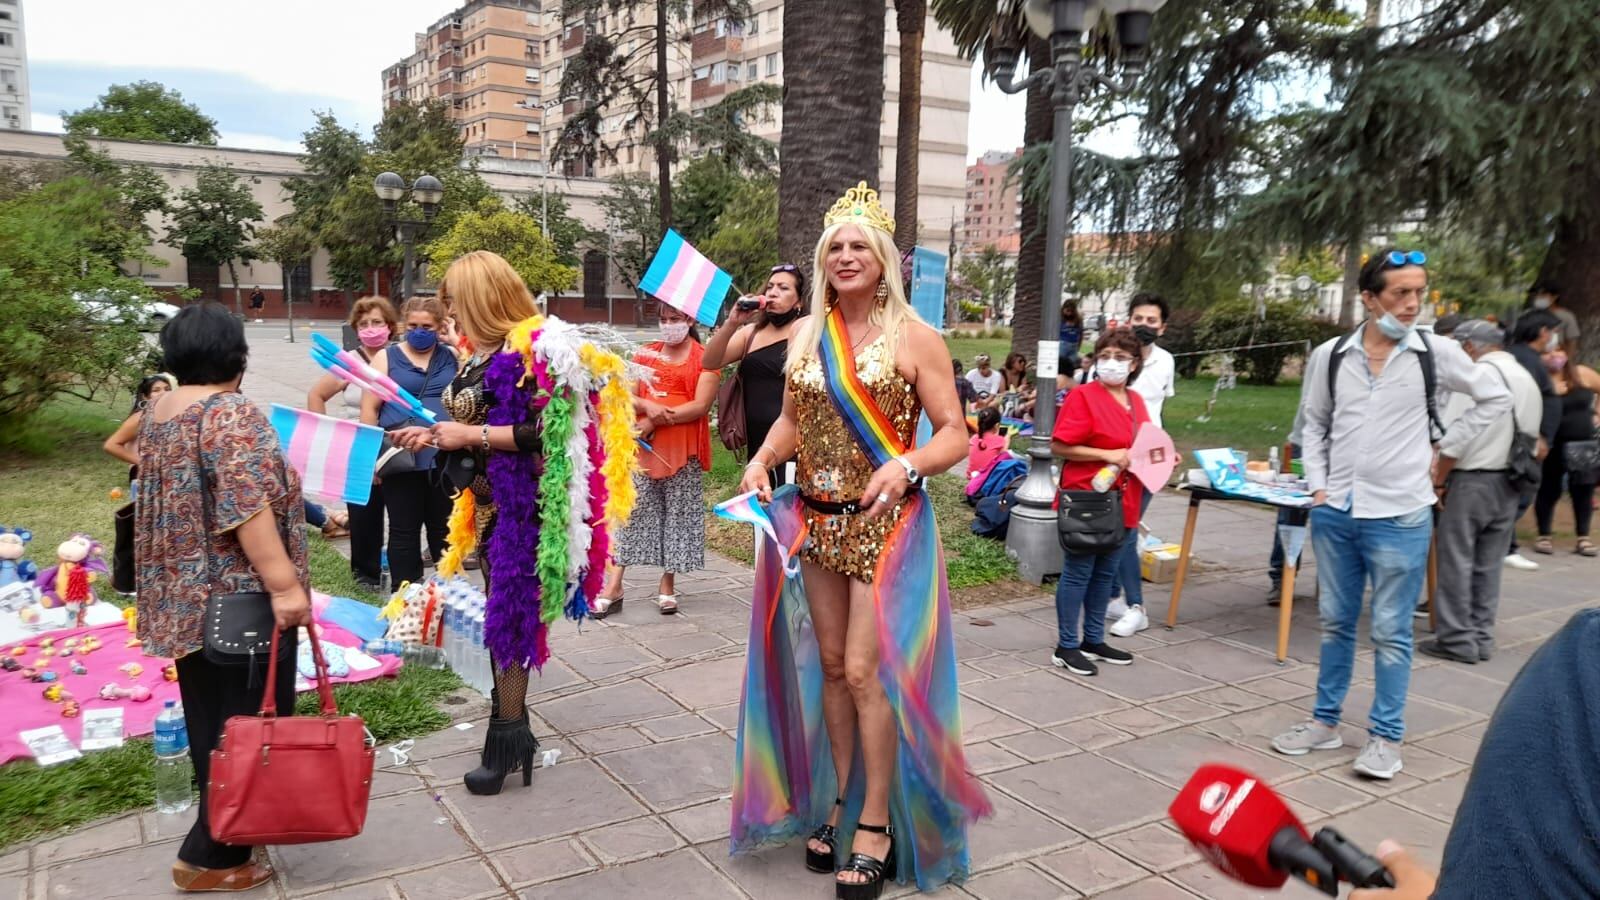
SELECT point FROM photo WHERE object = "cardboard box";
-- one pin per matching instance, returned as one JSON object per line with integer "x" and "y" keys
{"x": 1159, "y": 565}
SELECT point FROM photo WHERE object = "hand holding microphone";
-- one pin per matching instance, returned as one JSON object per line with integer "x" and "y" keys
{"x": 1244, "y": 829}
{"x": 1412, "y": 881}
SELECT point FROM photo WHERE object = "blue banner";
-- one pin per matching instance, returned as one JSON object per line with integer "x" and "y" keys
{"x": 928, "y": 285}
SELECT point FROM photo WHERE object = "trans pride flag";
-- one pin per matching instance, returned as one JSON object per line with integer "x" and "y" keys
{"x": 335, "y": 457}
{"x": 682, "y": 278}
{"x": 746, "y": 508}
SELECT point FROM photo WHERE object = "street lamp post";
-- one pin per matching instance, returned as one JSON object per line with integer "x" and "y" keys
{"x": 427, "y": 191}
{"x": 1031, "y": 539}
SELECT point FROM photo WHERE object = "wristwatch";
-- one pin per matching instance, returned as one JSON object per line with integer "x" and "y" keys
{"x": 912, "y": 475}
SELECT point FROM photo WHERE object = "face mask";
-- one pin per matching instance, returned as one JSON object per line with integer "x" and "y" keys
{"x": 1145, "y": 334}
{"x": 783, "y": 318}
{"x": 674, "y": 332}
{"x": 1554, "y": 342}
{"x": 1113, "y": 371}
{"x": 1392, "y": 328}
{"x": 1542, "y": 302}
{"x": 375, "y": 337}
{"x": 1555, "y": 362}
{"x": 421, "y": 339}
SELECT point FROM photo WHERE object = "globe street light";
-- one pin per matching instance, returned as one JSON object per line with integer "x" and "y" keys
{"x": 428, "y": 191}
{"x": 1031, "y": 539}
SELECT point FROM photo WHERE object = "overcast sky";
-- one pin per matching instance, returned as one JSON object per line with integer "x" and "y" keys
{"x": 259, "y": 68}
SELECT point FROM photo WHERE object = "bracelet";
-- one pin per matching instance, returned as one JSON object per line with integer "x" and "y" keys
{"x": 486, "y": 437}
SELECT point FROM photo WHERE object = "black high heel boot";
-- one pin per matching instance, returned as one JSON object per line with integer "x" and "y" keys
{"x": 825, "y": 834}
{"x": 877, "y": 871}
{"x": 508, "y": 746}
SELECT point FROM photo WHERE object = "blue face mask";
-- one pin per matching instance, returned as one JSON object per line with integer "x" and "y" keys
{"x": 421, "y": 339}
{"x": 1392, "y": 328}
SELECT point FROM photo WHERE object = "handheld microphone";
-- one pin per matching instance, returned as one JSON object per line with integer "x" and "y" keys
{"x": 1243, "y": 828}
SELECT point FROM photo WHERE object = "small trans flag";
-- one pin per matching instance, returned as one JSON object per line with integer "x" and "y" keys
{"x": 745, "y": 508}
{"x": 682, "y": 278}
{"x": 335, "y": 457}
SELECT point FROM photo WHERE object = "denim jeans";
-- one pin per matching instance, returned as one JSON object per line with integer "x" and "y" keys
{"x": 1392, "y": 554}
{"x": 1128, "y": 577}
{"x": 1085, "y": 590}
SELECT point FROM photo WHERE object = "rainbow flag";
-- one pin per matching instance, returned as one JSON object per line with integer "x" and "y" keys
{"x": 685, "y": 280}
{"x": 873, "y": 431}
{"x": 745, "y": 508}
{"x": 335, "y": 457}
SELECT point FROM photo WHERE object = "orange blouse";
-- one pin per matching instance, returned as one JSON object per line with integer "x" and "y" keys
{"x": 672, "y": 446}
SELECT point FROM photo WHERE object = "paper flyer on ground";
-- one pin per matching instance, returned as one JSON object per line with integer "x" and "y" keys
{"x": 50, "y": 745}
{"x": 102, "y": 729}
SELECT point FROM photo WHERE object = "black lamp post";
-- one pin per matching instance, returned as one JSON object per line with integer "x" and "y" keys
{"x": 427, "y": 191}
{"x": 1031, "y": 539}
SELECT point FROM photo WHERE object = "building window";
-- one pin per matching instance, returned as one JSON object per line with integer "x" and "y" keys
{"x": 772, "y": 64}
{"x": 6, "y": 39}
{"x": 532, "y": 128}
{"x": 5, "y": 16}
{"x": 531, "y": 51}
{"x": 701, "y": 72}
{"x": 750, "y": 72}
{"x": 755, "y": 23}
{"x": 733, "y": 71}
{"x": 718, "y": 73}
{"x": 530, "y": 75}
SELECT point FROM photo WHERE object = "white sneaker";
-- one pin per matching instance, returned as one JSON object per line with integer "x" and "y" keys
{"x": 1116, "y": 609}
{"x": 1379, "y": 759}
{"x": 1518, "y": 561}
{"x": 1132, "y": 622}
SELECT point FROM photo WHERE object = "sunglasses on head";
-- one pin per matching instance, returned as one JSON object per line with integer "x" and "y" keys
{"x": 1399, "y": 258}
{"x": 786, "y": 267}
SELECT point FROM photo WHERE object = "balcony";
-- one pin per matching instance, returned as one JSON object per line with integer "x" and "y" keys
{"x": 444, "y": 88}
{"x": 573, "y": 39}
{"x": 703, "y": 89}
{"x": 708, "y": 44}
{"x": 449, "y": 59}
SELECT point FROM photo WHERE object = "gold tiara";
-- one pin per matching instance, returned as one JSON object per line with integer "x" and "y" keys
{"x": 860, "y": 206}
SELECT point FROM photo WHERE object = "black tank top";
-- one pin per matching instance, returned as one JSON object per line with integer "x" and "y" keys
{"x": 1577, "y": 415}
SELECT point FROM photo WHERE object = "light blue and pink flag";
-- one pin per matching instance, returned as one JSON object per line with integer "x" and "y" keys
{"x": 746, "y": 508}
{"x": 335, "y": 457}
{"x": 685, "y": 280}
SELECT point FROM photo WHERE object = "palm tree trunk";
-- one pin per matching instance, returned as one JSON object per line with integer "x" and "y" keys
{"x": 1038, "y": 128}
{"x": 1573, "y": 262}
{"x": 832, "y": 104}
{"x": 910, "y": 18}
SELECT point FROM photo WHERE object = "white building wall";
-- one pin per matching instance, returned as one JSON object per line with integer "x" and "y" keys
{"x": 16, "y": 110}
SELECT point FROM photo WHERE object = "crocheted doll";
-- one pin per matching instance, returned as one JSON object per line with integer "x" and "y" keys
{"x": 13, "y": 546}
{"x": 68, "y": 583}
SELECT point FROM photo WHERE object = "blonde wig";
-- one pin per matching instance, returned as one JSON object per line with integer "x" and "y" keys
{"x": 891, "y": 315}
{"x": 487, "y": 297}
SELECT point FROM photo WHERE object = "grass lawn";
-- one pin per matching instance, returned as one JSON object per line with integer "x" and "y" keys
{"x": 55, "y": 480}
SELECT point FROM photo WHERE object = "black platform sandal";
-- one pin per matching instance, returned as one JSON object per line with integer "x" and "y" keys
{"x": 827, "y": 834}
{"x": 507, "y": 747}
{"x": 877, "y": 871}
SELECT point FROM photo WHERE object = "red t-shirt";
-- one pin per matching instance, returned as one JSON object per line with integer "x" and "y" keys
{"x": 1091, "y": 417}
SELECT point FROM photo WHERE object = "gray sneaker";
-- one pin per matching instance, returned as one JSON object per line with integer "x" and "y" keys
{"x": 1306, "y": 737}
{"x": 1379, "y": 759}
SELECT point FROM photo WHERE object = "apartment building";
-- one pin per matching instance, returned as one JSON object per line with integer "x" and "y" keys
{"x": 994, "y": 209}
{"x": 713, "y": 57}
{"x": 15, "y": 110}
{"x": 485, "y": 60}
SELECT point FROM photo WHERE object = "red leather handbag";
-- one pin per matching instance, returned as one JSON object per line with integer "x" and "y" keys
{"x": 290, "y": 780}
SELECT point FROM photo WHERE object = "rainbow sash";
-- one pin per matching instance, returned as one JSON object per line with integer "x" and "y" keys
{"x": 873, "y": 431}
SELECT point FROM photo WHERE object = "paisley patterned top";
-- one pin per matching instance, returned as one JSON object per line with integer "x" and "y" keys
{"x": 830, "y": 466}
{"x": 247, "y": 474}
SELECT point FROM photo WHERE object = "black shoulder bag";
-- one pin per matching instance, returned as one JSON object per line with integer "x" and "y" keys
{"x": 1090, "y": 522}
{"x": 239, "y": 626}
{"x": 1523, "y": 468}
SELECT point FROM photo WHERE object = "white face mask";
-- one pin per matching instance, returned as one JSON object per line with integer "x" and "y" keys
{"x": 674, "y": 332}
{"x": 1113, "y": 371}
{"x": 1542, "y": 302}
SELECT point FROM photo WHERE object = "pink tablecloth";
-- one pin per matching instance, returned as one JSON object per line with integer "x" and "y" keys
{"x": 23, "y": 707}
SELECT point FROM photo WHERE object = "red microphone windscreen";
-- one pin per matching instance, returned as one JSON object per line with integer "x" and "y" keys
{"x": 1231, "y": 816}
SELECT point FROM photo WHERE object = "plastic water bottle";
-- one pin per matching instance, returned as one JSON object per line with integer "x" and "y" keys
{"x": 1274, "y": 463}
{"x": 383, "y": 576}
{"x": 480, "y": 656}
{"x": 174, "y": 775}
{"x": 453, "y": 608}
{"x": 1105, "y": 478}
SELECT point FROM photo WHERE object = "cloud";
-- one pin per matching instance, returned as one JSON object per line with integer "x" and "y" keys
{"x": 996, "y": 122}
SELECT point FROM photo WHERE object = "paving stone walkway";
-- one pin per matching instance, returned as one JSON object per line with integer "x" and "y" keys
{"x": 643, "y": 708}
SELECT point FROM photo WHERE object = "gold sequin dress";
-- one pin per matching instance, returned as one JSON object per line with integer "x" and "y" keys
{"x": 831, "y": 467}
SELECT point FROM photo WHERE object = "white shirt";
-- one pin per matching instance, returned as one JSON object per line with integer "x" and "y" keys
{"x": 1373, "y": 453}
{"x": 1490, "y": 450}
{"x": 986, "y": 384}
{"x": 1156, "y": 381}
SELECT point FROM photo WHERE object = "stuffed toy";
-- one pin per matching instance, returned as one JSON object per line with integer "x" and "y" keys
{"x": 68, "y": 583}
{"x": 17, "y": 590}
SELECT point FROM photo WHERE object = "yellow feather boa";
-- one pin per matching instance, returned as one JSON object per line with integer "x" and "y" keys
{"x": 463, "y": 534}
{"x": 617, "y": 432}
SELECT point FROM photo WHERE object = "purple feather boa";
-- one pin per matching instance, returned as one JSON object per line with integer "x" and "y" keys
{"x": 513, "y": 630}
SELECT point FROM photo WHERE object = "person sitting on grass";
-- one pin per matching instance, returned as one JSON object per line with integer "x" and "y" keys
{"x": 988, "y": 444}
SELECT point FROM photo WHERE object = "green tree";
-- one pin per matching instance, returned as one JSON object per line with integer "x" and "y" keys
{"x": 745, "y": 242}
{"x": 724, "y": 129}
{"x": 991, "y": 275}
{"x": 287, "y": 244}
{"x": 214, "y": 221}
{"x": 142, "y": 111}
{"x": 334, "y": 159}
{"x": 514, "y": 235}
{"x": 143, "y": 192}
{"x": 1084, "y": 276}
{"x": 632, "y": 214}
{"x": 831, "y": 113}
{"x": 566, "y": 231}
{"x": 61, "y": 241}
{"x": 702, "y": 189}
{"x": 624, "y": 73}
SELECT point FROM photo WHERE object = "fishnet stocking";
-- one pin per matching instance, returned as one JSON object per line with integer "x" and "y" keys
{"x": 511, "y": 693}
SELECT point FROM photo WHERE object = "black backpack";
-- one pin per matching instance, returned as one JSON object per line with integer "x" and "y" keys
{"x": 992, "y": 517}
{"x": 1430, "y": 384}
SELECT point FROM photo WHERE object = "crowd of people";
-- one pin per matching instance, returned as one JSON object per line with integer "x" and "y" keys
{"x": 848, "y": 734}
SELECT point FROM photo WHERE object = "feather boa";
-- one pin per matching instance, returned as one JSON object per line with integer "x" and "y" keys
{"x": 553, "y": 513}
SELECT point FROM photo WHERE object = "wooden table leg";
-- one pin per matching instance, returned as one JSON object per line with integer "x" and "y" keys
{"x": 1433, "y": 581}
{"x": 1183, "y": 562}
{"x": 1285, "y": 609}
